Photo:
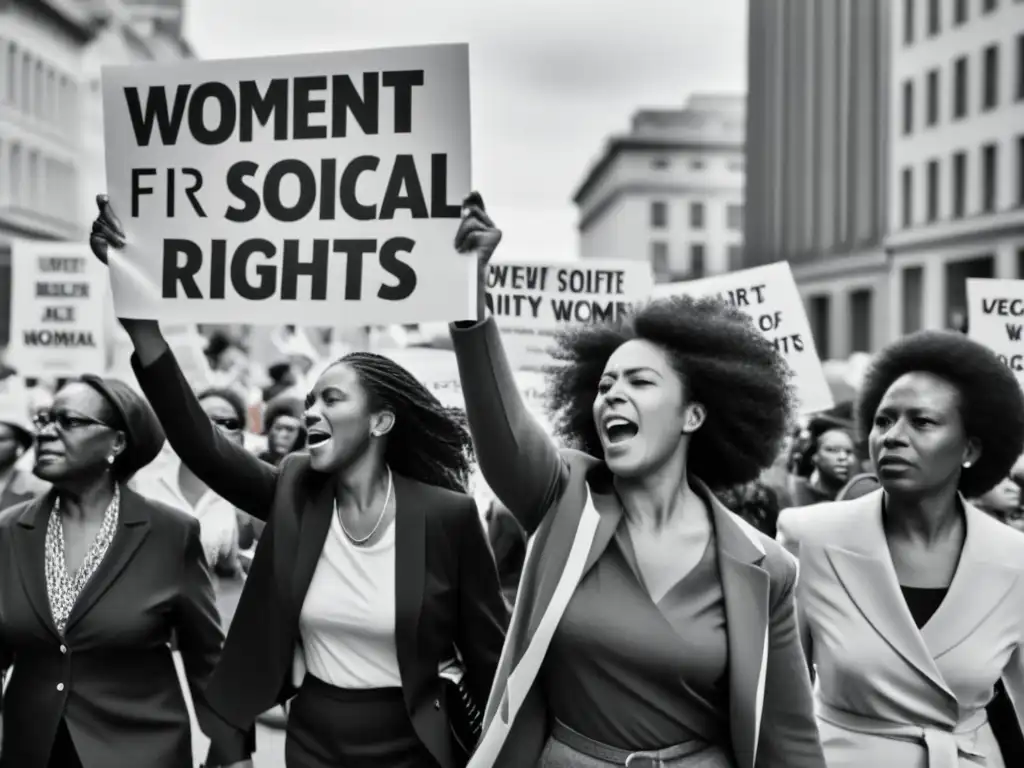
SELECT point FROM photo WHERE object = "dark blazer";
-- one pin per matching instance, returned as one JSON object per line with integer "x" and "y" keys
{"x": 112, "y": 678}
{"x": 446, "y": 586}
{"x": 22, "y": 486}
{"x": 562, "y": 500}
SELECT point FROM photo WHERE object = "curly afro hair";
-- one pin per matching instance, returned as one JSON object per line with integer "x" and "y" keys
{"x": 725, "y": 363}
{"x": 991, "y": 402}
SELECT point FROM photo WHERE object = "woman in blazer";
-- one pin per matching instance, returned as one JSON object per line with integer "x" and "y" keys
{"x": 94, "y": 579}
{"x": 652, "y": 627}
{"x": 372, "y": 573}
{"x": 910, "y": 599}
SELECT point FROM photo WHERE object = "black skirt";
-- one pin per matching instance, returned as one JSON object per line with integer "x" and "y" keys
{"x": 63, "y": 754}
{"x": 332, "y": 727}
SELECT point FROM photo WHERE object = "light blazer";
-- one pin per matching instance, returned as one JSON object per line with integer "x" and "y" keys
{"x": 878, "y": 674}
{"x": 112, "y": 676}
{"x": 553, "y": 496}
{"x": 447, "y": 594}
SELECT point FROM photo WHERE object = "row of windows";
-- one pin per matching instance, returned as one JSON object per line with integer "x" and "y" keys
{"x": 861, "y": 310}
{"x": 662, "y": 163}
{"x": 959, "y": 168}
{"x": 37, "y": 89}
{"x": 698, "y": 215}
{"x": 696, "y": 268}
{"x": 960, "y": 13}
{"x": 961, "y": 87}
{"x": 32, "y": 181}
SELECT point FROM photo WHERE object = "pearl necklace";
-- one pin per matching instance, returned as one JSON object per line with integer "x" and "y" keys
{"x": 383, "y": 511}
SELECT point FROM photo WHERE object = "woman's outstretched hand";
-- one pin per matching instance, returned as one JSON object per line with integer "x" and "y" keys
{"x": 477, "y": 235}
{"x": 107, "y": 232}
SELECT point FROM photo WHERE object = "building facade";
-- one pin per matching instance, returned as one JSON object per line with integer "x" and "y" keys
{"x": 671, "y": 191}
{"x": 817, "y": 150}
{"x": 51, "y": 110}
{"x": 956, "y": 184}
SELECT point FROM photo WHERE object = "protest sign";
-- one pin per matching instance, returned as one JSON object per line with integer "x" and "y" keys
{"x": 770, "y": 297}
{"x": 532, "y": 301}
{"x": 438, "y": 371}
{"x": 995, "y": 318}
{"x": 58, "y": 327}
{"x": 321, "y": 189}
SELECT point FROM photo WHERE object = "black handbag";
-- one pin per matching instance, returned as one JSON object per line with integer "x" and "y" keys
{"x": 465, "y": 718}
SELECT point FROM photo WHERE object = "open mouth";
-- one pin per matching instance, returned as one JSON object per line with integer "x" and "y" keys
{"x": 619, "y": 429}
{"x": 316, "y": 439}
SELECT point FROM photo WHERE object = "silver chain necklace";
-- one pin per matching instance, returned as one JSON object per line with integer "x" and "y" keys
{"x": 380, "y": 519}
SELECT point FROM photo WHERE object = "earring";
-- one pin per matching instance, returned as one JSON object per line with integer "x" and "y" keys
{"x": 967, "y": 464}
{"x": 110, "y": 458}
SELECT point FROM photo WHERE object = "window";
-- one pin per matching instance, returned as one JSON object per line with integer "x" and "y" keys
{"x": 734, "y": 217}
{"x": 735, "y": 257}
{"x": 736, "y": 165}
{"x": 933, "y": 190}
{"x": 16, "y": 189}
{"x": 697, "y": 267}
{"x": 659, "y": 258}
{"x": 933, "y": 97}
{"x": 908, "y": 197}
{"x": 989, "y": 178}
{"x": 908, "y": 22}
{"x": 959, "y": 185}
{"x": 913, "y": 299}
{"x": 990, "y": 84}
{"x": 908, "y": 107}
{"x": 1020, "y": 67}
{"x": 987, "y": 6}
{"x": 696, "y": 165}
{"x": 660, "y": 163}
{"x": 1020, "y": 170}
{"x": 819, "y": 317}
{"x": 860, "y": 320}
{"x": 960, "y": 87}
{"x": 697, "y": 215}
{"x": 659, "y": 215}
{"x": 934, "y": 17}
{"x": 959, "y": 12}
{"x": 12, "y": 77}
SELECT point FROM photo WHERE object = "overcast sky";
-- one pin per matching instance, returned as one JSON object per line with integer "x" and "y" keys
{"x": 550, "y": 79}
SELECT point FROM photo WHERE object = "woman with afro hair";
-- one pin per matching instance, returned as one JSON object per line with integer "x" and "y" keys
{"x": 652, "y": 626}
{"x": 911, "y": 601}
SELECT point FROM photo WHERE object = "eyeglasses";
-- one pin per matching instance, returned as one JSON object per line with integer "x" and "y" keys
{"x": 228, "y": 424}
{"x": 65, "y": 421}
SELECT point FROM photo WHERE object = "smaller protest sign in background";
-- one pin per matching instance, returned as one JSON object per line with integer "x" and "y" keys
{"x": 770, "y": 297}
{"x": 995, "y": 318}
{"x": 319, "y": 189}
{"x": 58, "y": 316}
{"x": 532, "y": 301}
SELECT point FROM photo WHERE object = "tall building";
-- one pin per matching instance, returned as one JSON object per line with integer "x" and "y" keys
{"x": 956, "y": 185}
{"x": 51, "y": 111}
{"x": 671, "y": 190}
{"x": 817, "y": 158}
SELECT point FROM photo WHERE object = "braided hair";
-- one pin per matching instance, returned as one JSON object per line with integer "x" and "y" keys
{"x": 428, "y": 442}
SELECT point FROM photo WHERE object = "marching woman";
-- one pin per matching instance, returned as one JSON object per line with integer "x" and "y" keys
{"x": 911, "y": 600}
{"x": 94, "y": 579}
{"x": 652, "y": 626}
{"x": 372, "y": 573}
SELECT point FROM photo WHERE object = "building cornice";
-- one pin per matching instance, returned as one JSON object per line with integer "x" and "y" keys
{"x": 952, "y": 232}
{"x": 76, "y": 22}
{"x": 620, "y": 144}
{"x": 654, "y": 188}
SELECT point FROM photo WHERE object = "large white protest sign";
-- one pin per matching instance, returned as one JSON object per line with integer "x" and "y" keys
{"x": 770, "y": 297}
{"x": 532, "y": 301}
{"x": 321, "y": 189}
{"x": 995, "y": 318}
{"x": 58, "y": 291}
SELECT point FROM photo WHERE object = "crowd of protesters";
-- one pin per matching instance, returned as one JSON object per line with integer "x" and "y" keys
{"x": 711, "y": 581}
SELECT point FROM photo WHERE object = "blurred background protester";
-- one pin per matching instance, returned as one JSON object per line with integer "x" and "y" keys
{"x": 284, "y": 427}
{"x": 828, "y": 461}
{"x": 17, "y": 484}
{"x": 756, "y": 502}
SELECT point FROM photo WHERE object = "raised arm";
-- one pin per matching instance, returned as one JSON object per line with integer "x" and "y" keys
{"x": 518, "y": 460}
{"x": 228, "y": 469}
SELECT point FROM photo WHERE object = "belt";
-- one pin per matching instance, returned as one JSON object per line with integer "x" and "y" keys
{"x": 944, "y": 747}
{"x": 651, "y": 758}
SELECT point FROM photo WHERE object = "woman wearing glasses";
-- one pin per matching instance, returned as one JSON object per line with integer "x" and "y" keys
{"x": 94, "y": 579}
